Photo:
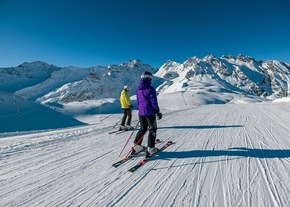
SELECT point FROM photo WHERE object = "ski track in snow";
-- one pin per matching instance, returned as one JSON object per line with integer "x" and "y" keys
{"x": 223, "y": 155}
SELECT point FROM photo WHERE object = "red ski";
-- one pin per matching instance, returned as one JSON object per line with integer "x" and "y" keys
{"x": 143, "y": 161}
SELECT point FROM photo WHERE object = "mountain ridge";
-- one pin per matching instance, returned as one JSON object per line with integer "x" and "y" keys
{"x": 50, "y": 85}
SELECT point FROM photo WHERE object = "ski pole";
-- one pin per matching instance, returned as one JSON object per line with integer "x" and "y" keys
{"x": 110, "y": 115}
{"x": 129, "y": 138}
{"x": 138, "y": 141}
{"x": 135, "y": 144}
{"x": 117, "y": 123}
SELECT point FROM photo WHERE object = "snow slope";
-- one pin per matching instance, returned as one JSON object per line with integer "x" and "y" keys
{"x": 18, "y": 115}
{"x": 234, "y": 154}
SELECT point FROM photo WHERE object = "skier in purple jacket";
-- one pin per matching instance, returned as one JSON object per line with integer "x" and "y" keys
{"x": 148, "y": 111}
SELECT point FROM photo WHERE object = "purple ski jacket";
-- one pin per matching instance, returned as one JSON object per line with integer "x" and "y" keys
{"x": 146, "y": 99}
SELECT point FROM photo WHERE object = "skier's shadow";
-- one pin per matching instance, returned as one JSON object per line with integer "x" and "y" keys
{"x": 200, "y": 127}
{"x": 231, "y": 152}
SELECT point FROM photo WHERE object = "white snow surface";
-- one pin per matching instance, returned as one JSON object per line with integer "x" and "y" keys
{"x": 231, "y": 142}
{"x": 235, "y": 154}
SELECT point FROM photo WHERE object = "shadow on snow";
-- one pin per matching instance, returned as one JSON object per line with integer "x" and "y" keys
{"x": 233, "y": 152}
{"x": 200, "y": 127}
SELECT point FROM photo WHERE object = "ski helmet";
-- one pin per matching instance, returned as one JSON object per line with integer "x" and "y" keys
{"x": 147, "y": 76}
{"x": 127, "y": 88}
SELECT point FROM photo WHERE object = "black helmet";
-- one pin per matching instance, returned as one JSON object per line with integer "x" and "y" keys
{"x": 147, "y": 76}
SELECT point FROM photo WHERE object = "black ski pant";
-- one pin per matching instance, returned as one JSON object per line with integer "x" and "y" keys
{"x": 147, "y": 122}
{"x": 126, "y": 113}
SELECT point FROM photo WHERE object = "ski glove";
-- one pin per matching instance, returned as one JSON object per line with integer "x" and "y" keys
{"x": 158, "y": 116}
{"x": 131, "y": 106}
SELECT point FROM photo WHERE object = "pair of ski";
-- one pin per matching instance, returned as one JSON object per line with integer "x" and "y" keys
{"x": 143, "y": 161}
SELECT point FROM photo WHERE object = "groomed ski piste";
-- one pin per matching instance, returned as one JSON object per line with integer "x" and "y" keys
{"x": 234, "y": 154}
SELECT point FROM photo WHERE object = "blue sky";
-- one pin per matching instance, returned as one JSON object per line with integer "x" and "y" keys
{"x": 87, "y": 33}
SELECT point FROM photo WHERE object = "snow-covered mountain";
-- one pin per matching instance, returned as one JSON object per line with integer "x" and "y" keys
{"x": 97, "y": 89}
{"x": 57, "y": 79}
{"x": 97, "y": 84}
{"x": 244, "y": 74}
{"x": 25, "y": 75}
{"x": 58, "y": 87}
{"x": 49, "y": 83}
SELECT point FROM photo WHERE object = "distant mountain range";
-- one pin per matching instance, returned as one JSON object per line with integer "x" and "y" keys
{"x": 269, "y": 79}
{"x": 55, "y": 86}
